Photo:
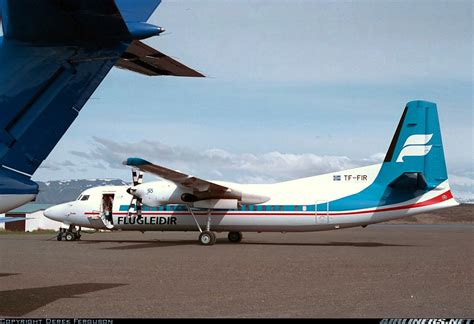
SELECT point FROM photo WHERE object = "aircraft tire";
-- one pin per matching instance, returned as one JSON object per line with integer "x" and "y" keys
{"x": 207, "y": 238}
{"x": 235, "y": 237}
{"x": 69, "y": 236}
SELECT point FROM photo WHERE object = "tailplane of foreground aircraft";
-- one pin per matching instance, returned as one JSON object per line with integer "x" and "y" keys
{"x": 53, "y": 55}
{"x": 412, "y": 179}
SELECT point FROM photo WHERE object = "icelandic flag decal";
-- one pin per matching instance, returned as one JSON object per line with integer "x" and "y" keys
{"x": 336, "y": 178}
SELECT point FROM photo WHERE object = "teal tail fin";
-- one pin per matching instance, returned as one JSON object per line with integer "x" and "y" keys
{"x": 417, "y": 147}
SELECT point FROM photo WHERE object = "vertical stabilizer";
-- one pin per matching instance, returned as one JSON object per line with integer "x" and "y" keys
{"x": 417, "y": 146}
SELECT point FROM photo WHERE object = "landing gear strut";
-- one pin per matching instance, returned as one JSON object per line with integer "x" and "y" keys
{"x": 206, "y": 237}
{"x": 70, "y": 234}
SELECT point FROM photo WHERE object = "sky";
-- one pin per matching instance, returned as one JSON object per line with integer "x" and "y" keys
{"x": 293, "y": 89}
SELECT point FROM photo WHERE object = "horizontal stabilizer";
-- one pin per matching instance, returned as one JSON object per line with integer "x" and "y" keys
{"x": 11, "y": 219}
{"x": 144, "y": 59}
{"x": 410, "y": 181}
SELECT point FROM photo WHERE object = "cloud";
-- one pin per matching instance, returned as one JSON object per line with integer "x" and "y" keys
{"x": 50, "y": 166}
{"x": 463, "y": 186}
{"x": 66, "y": 163}
{"x": 216, "y": 163}
{"x": 220, "y": 164}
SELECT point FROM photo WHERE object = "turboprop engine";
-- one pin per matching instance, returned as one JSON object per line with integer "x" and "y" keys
{"x": 160, "y": 193}
{"x": 188, "y": 190}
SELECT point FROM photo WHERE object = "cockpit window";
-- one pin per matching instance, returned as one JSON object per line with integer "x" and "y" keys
{"x": 85, "y": 197}
{"x": 79, "y": 198}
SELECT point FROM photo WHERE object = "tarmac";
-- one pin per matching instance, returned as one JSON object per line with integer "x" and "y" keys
{"x": 394, "y": 271}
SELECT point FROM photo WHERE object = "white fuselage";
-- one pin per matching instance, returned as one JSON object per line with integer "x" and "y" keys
{"x": 294, "y": 206}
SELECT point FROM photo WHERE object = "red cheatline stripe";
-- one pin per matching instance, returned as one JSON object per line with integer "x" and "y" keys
{"x": 438, "y": 199}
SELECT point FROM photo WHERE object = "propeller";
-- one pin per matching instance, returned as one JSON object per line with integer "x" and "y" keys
{"x": 136, "y": 202}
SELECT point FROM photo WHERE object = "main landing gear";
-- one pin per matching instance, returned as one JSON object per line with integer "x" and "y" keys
{"x": 70, "y": 234}
{"x": 208, "y": 237}
{"x": 235, "y": 237}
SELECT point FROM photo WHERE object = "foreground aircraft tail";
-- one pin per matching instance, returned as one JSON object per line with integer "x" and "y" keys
{"x": 53, "y": 56}
{"x": 415, "y": 157}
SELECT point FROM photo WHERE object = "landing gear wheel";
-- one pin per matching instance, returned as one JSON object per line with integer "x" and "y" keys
{"x": 69, "y": 236}
{"x": 235, "y": 237}
{"x": 207, "y": 238}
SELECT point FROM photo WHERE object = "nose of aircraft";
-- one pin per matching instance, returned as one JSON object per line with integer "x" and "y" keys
{"x": 56, "y": 213}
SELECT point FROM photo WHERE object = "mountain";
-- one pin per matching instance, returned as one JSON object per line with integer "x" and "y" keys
{"x": 56, "y": 192}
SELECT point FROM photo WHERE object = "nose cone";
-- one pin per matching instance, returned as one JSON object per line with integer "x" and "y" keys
{"x": 56, "y": 213}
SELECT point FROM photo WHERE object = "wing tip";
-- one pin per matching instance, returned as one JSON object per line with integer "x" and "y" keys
{"x": 135, "y": 161}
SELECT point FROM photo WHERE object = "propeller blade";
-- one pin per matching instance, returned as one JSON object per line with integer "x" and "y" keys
{"x": 137, "y": 177}
{"x": 139, "y": 208}
{"x": 135, "y": 203}
{"x": 132, "y": 206}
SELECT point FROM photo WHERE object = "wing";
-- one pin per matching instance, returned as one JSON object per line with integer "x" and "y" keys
{"x": 144, "y": 59}
{"x": 202, "y": 189}
{"x": 179, "y": 178}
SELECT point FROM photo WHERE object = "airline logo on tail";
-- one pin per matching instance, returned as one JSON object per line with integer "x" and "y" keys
{"x": 415, "y": 145}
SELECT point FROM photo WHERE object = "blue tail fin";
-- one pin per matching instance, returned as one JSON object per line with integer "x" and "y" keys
{"x": 416, "y": 147}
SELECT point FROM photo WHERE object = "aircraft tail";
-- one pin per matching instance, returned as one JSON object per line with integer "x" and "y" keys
{"x": 413, "y": 173}
{"x": 415, "y": 156}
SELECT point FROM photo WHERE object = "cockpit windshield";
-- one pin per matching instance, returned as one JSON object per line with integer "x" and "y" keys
{"x": 85, "y": 197}
{"x": 79, "y": 198}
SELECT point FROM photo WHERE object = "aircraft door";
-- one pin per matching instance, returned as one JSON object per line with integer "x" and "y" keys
{"x": 107, "y": 207}
{"x": 321, "y": 211}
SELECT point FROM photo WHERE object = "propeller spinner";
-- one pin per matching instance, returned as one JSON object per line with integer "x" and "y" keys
{"x": 136, "y": 202}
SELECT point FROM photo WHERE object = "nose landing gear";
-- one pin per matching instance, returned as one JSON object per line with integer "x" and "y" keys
{"x": 70, "y": 234}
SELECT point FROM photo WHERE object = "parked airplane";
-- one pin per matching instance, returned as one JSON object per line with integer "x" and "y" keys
{"x": 412, "y": 179}
{"x": 53, "y": 55}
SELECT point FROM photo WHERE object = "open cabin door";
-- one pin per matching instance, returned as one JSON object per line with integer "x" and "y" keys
{"x": 321, "y": 211}
{"x": 106, "y": 210}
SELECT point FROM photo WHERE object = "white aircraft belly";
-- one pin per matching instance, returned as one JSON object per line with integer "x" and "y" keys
{"x": 8, "y": 202}
{"x": 233, "y": 222}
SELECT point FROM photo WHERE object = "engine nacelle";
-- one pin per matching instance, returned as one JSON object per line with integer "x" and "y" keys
{"x": 159, "y": 193}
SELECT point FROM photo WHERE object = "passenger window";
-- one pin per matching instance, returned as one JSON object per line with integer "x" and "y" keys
{"x": 85, "y": 197}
